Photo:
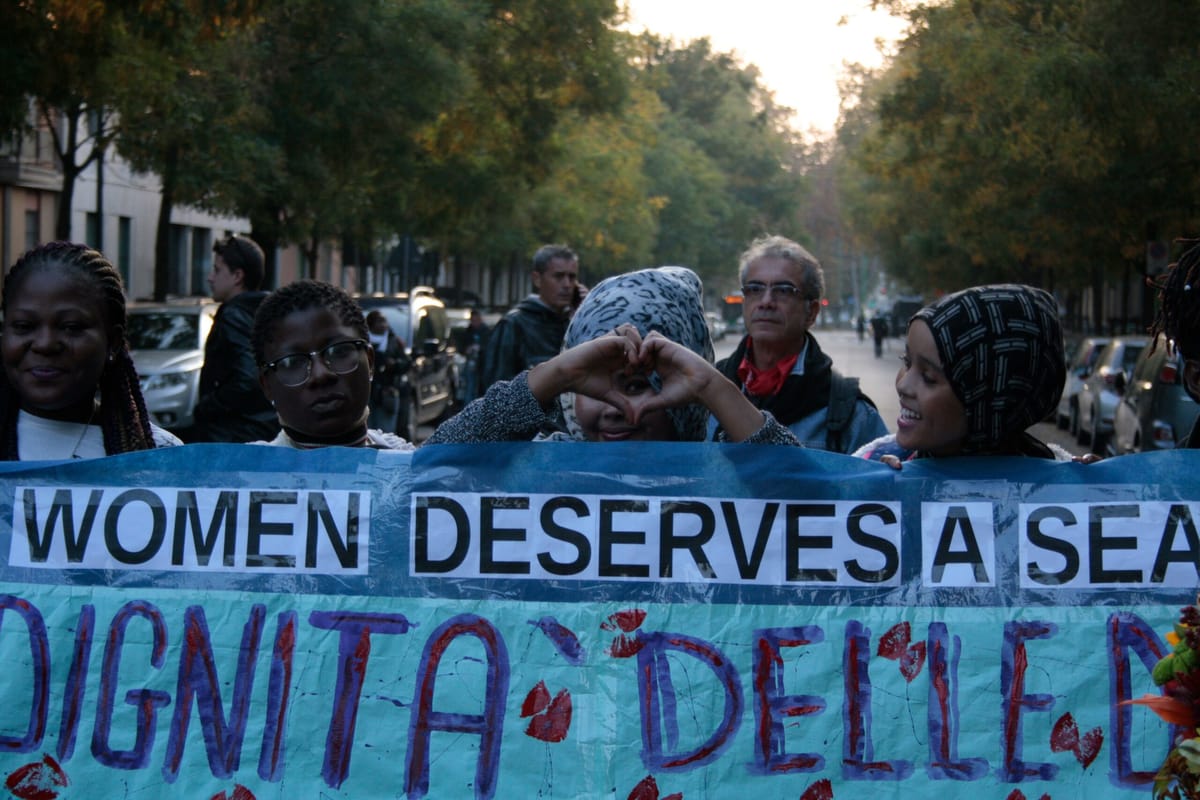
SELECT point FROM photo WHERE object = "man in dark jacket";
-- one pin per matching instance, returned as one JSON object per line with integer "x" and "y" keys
{"x": 533, "y": 331}
{"x": 232, "y": 406}
{"x": 779, "y": 364}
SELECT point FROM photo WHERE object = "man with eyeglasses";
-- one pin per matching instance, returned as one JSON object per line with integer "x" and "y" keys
{"x": 779, "y": 364}
{"x": 231, "y": 405}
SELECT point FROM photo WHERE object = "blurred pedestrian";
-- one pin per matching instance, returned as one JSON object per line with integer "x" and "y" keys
{"x": 879, "y": 331}
{"x": 70, "y": 389}
{"x": 231, "y": 406}
{"x": 779, "y": 364}
{"x": 533, "y": 331}
{"x": 1178, "y": 319}
{"x": 390, "y": 383}
{"x": 315, "y": 362}
{"x": 471, "y": 342}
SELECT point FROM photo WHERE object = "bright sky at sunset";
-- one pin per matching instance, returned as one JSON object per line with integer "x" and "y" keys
{"x": 797, "y": 45}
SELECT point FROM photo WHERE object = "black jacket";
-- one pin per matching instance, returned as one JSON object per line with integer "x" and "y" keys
{"x": 800, "y": 395}
{"x": 232, "y": 406}
{"x": 529, "y": 334}
{"x": 391, "y": 366}
{"x": 1192, "y": 442}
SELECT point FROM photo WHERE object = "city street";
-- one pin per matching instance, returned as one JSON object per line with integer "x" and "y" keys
{"x": 877, "y": 376}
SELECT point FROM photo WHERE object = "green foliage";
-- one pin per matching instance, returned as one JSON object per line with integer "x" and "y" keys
{"x": 723, "y": 165}
{"x": 483, "y": 127}
{"x": 1011, "y": 139}
{"x": 534, "y": 71}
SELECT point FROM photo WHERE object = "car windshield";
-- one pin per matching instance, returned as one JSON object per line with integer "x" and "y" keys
{"x": 396, "y": 315}
{"x": 163, "y": 330}
{"x": 1129, "y": 358}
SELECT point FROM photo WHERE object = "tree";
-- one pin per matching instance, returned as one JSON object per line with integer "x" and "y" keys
{"x": 184, "y": 109}
{"x": 61, "y": 53}
{"x": 538, "y": 73}
{"x": 1022, "y": 140}
{"x": 725, "y": 165}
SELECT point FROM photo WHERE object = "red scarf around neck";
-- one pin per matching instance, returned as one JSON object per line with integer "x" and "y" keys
{"x": 764, "y": 383}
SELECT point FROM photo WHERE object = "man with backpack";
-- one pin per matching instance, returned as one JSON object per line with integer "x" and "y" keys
{"x": 779, "y": 364}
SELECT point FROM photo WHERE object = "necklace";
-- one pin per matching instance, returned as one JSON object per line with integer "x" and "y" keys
{"x": 86, "y": 427}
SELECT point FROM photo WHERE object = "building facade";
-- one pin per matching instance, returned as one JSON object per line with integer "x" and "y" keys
{"x": 115, "y": 210}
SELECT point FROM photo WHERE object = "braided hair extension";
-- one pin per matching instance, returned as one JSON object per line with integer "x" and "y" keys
{"x": 123, "y": 417}
{"x": 1178, "y": 316}
{"x": 301, "y": 296}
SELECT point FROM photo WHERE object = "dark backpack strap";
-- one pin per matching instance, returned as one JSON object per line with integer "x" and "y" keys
{"x": 843, "y": 397}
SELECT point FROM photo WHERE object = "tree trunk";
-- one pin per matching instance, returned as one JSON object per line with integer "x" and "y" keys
{"x": 264, "y": 230}
{"x": 312, "y": 252}
{"x": 162, "y": 236}
{"x": 70, "y": 171}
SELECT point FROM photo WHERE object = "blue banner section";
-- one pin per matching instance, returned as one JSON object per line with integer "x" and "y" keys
{"x": 581, "y": 620}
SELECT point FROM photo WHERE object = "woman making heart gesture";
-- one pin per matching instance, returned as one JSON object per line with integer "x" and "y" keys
{"x": 636, "y": 366}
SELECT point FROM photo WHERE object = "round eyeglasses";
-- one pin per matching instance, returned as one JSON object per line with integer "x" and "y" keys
{"x": 341, "y": 358}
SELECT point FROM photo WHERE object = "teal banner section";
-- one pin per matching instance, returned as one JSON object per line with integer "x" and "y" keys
{"x": 576, "y": 620}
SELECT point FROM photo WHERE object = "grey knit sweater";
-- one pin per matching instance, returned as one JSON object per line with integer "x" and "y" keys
{"x": 508, "y": 412}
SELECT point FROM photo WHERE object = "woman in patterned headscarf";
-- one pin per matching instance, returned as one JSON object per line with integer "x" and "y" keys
{"x": 636, "y": 365}
{"x": 980, "y": 366}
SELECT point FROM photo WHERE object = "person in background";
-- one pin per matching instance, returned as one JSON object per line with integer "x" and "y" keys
{"x": 1178, "y": 319}
{"x": 779, "y": 364}
{"x": 980, "y": 366}
{"x": 879, "y": 331}
{"x": 231, "y": 406}
{"x": 391, "y": 368}
{"x": 533, "y": 331}
{"x": 315, "y": 365}
{"x": 636, "y": 366}
{"x": 471, "y": 342}
{"x": 70, "y": 389}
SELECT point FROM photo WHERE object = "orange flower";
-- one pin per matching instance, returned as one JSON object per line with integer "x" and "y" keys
{"x": 1169, "y": 709}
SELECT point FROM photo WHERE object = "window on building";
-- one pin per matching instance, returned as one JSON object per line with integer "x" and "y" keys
{"x": 201, "y": 259}
{"x": 177, "y": 259}
{"x": 92, "y": 229}
{"x": 33, "y": 229}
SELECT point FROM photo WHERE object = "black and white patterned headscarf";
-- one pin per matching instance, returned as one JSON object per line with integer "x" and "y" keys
{"x": 1002, "y": 350}
{"x": 664, "y": 299}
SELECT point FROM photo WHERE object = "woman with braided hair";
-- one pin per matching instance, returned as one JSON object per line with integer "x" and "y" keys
{"x": 1178, "y": 320}
{"x": 70, "y": 389}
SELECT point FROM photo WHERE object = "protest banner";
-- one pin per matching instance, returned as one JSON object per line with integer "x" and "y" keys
{"x": 575, "y": 620}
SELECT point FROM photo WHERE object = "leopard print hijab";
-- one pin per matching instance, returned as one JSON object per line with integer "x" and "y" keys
{"x": 663, "y": 299}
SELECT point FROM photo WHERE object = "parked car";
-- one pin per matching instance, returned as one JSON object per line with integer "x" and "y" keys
{"x": 454, "y": 297}
{"x": 1082, "y": 363}
{"x": 166, "y": 341}
{"x": 1155, "y": 411}
{"x": 717, "y": 327}
{"x": 419, "y": 318}
{"x": 459, "y": 319}
{"x": 1099, "y": 395}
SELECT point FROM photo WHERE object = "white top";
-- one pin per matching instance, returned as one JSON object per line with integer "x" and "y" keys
{"x": 375, "y": 438}
{"x": 41, "y": 439}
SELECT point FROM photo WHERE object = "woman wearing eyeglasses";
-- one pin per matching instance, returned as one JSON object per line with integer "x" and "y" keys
{"x": 315, "y": 365}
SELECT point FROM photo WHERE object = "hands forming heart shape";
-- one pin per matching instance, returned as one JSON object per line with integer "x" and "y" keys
{"x": 616, "y": 369}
